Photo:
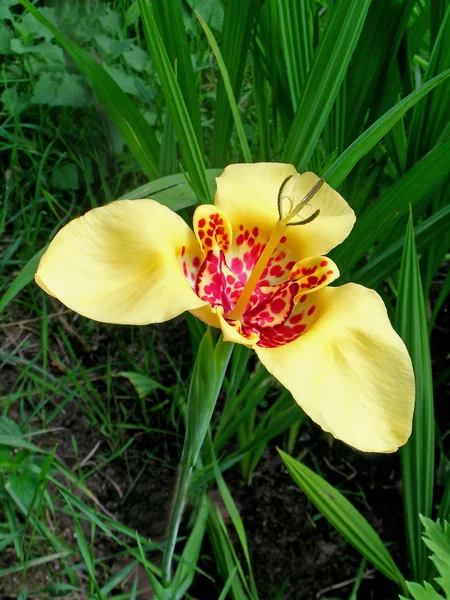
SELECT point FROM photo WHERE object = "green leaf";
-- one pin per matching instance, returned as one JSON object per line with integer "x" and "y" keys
{"x": 324, "y": 80}
{"x": 137, "y": 133}
{"x": 239, "y": 21}
{"x": 189, "y": 146}
{"x": 30, "y": 28}
{"x": 437, "y": 539}
{"x": 187, "y": 567}
{"x": 206, "y": 382}
{"x": 296, "y": 40}
{"x": 387, "y": 261}
{"x": 344, "y": 517}
{"x": 410, "y": 189}
{"x": 65, "y": 177}
{"x": 229, "y": 90}
{"x": 22, "y": 279}
{"x": 130, "y": 84}
{"x": 417, "y": 456}
{"x": 169, "y": 20}
{"x": 431, "y": 117}
{"x": 360, "y": 147}
{"x": 137, "y": 58}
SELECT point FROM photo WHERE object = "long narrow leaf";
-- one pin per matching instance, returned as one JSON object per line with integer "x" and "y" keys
{"x": 189, "y": 146}
{"x": 360, "y": 147}
{"x": 414, "y": 186}
{"x": 169, "y": 18}
{"x": 344, "y": 517}
{"x": 324, "y": 80}
{"x": 239, "y": 20}
{"x": 384, "y": 263}
{"x": 228, "y": 87}
{"x": 417, "y": 457}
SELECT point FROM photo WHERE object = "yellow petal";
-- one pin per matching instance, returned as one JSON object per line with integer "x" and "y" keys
{"x": 350, "y": 371}
{"x": 248, "y": 193}
{"x": 335, "y": 220}
{"x": 122, "y": 263}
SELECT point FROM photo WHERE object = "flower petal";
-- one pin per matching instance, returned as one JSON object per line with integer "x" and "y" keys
{"x": 350, "y": 371}
{"x": 248, "y": 193}
{"x": 121, "y": 263}
{"x": 331, "y": 227}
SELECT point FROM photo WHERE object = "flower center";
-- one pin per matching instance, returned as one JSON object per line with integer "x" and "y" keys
{"x": 252, "y": 277}
{"x": 276, "y": 236}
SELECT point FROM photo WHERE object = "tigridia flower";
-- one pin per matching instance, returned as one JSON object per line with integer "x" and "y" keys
{"x": 255, "y": 266}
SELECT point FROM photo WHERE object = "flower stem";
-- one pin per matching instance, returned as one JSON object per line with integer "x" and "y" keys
{"x": 181, "y": 490}
{"x": 206, "y": 382}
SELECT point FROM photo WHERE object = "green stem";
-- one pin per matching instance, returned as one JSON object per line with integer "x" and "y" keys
{"x": 181, "y": 490}
{"x": 206, "y": 382}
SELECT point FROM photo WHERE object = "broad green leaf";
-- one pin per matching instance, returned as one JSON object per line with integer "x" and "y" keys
{"x": 417, "y": 456}
{"x": 189, "y": 146}
{"x": 437, "y": 539}
{"x": 324, "y": 79}
{"x": 344, "y": 517}
{"x": 137, "y": 133}
{"x": 366, "y": 141}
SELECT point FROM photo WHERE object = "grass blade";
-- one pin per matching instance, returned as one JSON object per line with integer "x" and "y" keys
{"x": 425, "y": 132}
{"x": 382, "y": 264}
{"x": 417, "y": 457}
{"x": 296, "y": 41}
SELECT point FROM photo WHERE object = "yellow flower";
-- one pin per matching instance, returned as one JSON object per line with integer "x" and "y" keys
{"x": 254, "y": 267}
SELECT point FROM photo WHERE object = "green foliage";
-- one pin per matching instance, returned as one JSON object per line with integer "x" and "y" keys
{"x": 344, "y": 516}
{"x": 437, "y": 539}
{"x": 138, "y": 99}
{"x": 417, "y": 457}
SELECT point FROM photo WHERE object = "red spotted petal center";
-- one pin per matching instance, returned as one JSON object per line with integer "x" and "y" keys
{"x": 281, "y": 307}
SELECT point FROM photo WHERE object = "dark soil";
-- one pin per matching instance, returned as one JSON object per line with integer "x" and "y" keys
{"x": 291, "y": 546}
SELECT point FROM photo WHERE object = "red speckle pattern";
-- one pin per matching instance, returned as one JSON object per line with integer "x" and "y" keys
{"x": 282, "y": 306}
